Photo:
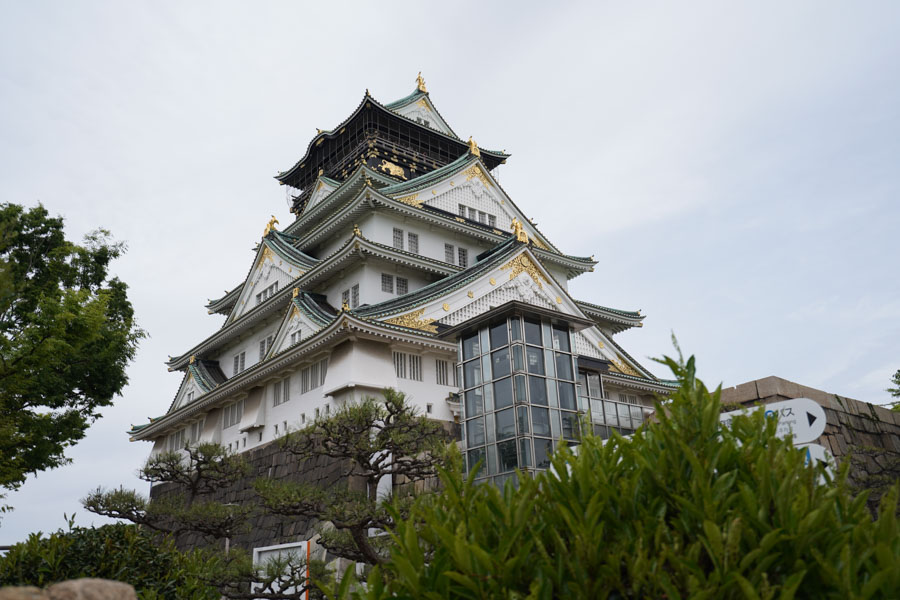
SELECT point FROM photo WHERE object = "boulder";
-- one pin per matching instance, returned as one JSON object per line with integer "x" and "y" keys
{"x": 22, "y": 593}
{"x": 91, "y": 589}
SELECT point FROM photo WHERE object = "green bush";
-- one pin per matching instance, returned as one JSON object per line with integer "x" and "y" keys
{"x": 685, "y": 508}
{"x": 120, "y": 552}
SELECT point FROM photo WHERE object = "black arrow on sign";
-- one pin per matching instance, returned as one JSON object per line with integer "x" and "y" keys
{"x": 811, "y": 418}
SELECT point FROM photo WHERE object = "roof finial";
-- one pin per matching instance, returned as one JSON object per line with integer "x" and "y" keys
{"x": 345, "y": 307}
{"x": 473, "y": 147}
{"x": 295, "y": 293}
{"x": 356, "y": 231}
{"x": 193, "y": 358}
{"x": 420, "y": 83}
{"x": 270, "y": 227}
{"x": 319, "y": 131}
{"x": 519, "y": 230}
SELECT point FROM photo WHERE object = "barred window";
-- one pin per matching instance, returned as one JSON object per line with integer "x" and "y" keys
{"x": 232, "y": 414}
{"x": 345, "y": 298}
{"x": 295, "y": 337}
{"x": 462, "y": 210}
{"x": 387, "y": 283}
{"x": 415, "y": 367}
{"x": 281, "y": 391}
{"x": 238, "y": 363}
{"x": 313, "y": 376}
{"x": 492, "y": 220}
{"x": 463, "y": 257}
{"x": 402, "y": 286}
{"x": 413, "y": 242}
{"x": 441, "y": 371}
{"x": 448, "y": 253}
{"x": 400, "y": 365}
{"x": 354, "y": 296}
{"x": 265, "y": 345}
{"x": 398, "y": 238}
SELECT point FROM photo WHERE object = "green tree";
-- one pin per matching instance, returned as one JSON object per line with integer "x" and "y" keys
{"x": 895, "y": 391}
{"x": 67, "y": 333}
{"x": 685, "y": 508}
{"x": 155, "y": 568}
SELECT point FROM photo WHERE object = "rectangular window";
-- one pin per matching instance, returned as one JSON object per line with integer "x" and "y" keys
{"x": 232, "y": 414}
{"x": 492, "y": 220}
{"x": 295, "y": 337}
{"x": 281, "y": 391}
{"x": 400, "y": 365}
{"x": 463, "y": 257}
{"x": 429, "y": 408}
{"x": 462, "y": 210}
{"x": 387, "y": 283}
{"x": 238, "y": 363}
{"x": 265, "y": 345}
{"x": 313, "y": 376}
{"x": 482, "y": 217}
{"x": 345, "y": 298}
{"x": 441, "y": 370}
{"x": 415, "y": 367}
{"x": 402, "y": 286}
{"x": 449, "y": 254}
{"x": 412, "y": 240}
{"x": 354, "y": 296}
{"x": 398, "y": 238}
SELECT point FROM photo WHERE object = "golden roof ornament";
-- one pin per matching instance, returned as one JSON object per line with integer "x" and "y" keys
{"x": 356, "y": 231}
{"x": 345, "y": 307}
{"x": 420, "y": 83}
{"x": 193, "y": 358}
{"x": 295, "y": 293}
{"x": 270, "y": 227}
{"x": 473, "y": 147}
{"x": 519, "y": 230}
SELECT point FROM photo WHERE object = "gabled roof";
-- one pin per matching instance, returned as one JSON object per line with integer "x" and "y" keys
{"x": 423, "y": 100}
{"x": 614, "y": 319}
{"x": 224, "y": 304}
{"x": 289, "y": 176}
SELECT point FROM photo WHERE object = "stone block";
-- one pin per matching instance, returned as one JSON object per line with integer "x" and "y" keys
{"x": 91, "y": 589}
{"x": 745, "y": 392}
{"x": 22, "y": 593}
{"x": 768, "y": 387}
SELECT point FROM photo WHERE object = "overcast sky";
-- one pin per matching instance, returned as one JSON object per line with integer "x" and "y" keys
{"x": 733, "y": 168}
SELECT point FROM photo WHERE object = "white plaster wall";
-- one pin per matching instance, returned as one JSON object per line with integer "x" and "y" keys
{"x": 559, "y": 274}
{"x": 249, "y": 343}
{"x": 380, "y": 228}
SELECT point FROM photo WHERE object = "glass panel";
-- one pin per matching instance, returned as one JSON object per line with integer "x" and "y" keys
{"x": 594, "y": 381}
{"x": 485, "y": 342}
{"x": 488, "y": 398}
{"x": 566, "y": 395}
{"x": 542, "y": 450}
{"x": 474, "y": 403}
{"x": 540, "y": 421}
{"x": 489, "y": 428}
{"x": 491, "y": 460}
{"x": 538, "y": 390}
{"x": 525, "y": 452}
{"x": 471, "y": 347}
{"x": 551, "y": 393}
{"x": 596, "y": 411}
{"x": 561, "y": 338}
{"x": 503, "y": 394}
{"x": 506, "y": 423}
{"x": 610, "y": 409}
{"x": 522, "y": 414}
{"x": 624, "y": 416}
{"x": 515, "y": 329}
{"x": 564, "y": 366}
{"x": 554, "y": 423}
{"x": 499, "y": 335}
{"x": 518, "y": 358}
{"x": 582, "y": 404}
{"x": 486, "y": 367}
{"x": 582, "y": 384}
{"x": 506, "y": 452}
{"x": 548, "y": 339}
{"x": 637, "y": 415}
{"x": 475, "y": 431}
{"x": 549, "y": 363}
{"x": 601, "y": 431}
{"x": 532, "y": 332}
{"x": 500, "y": 361}
{"x": 569, "y": 425}
{"x": 535, "y": 360}
{"x": 472, "y": 373}
{"x": 474, "y": 457}
{"x": 521, "y": 398}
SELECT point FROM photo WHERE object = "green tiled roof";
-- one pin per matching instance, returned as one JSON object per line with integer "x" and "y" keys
{"x": 429, "y": 178}
{"x": 625, "y": 313}
{"x": 406, "y": 100}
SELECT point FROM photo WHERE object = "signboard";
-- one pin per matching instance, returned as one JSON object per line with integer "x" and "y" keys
{"x": 800, "y": 416}
{"x": 819, "y": 454}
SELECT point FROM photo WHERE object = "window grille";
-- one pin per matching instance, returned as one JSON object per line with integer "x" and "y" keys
{"x": 415, "y": 367}
{"x": 448, "y": 253}
{"x": 345, "y": 298}
{"x": 400, "y": 365}
{"x": 463, "y": 257}
{"x": 492, "y": 220}
{"x": 398, "y": 238}
{"x": 238, "y": 363}
{"x": 313, "y": 376}
{"x": 354, "y": 296}
{"x": 413, "y": 242}
{"x": 402, "y": 286}
{"x": 387, "y": 283}
{"x": 441, "y": 371}
{"x": 232, "y": 414}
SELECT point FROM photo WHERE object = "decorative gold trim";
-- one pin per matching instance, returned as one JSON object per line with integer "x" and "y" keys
{"x": 558, "y": 300}
{"x": 420, "y": 83}
{"x": 446, "y": 307}
{"x": 345, "y": 307}
{"x": 267, "y": 254}
{"x": 392, "y": 169}
{"x": 539, "y": 244}
{"x": 295, "y": 292}
{"x": 623, "y": 368}
{"x": 493, "y": 281}
{"x": 421, "y": 102}
{"x": 193, "y": 358}
{"x": 475, "y": 171}
{"x": 519, "y": 230}
{"x": 523, "y": 264}
{"x": 414, "y": 320}
{"x": 460, "y": 219}
{"x": 410, "y": 200}
{"x": 473, "y": 147}
{"x": 356, "y": 231}
{"x": 470, "y": 294}
{"x": 601, "y": 344}
{"x": 270, "y": 226}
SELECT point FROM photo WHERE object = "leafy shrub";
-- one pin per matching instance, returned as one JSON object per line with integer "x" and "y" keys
{"x": 120, "y": 552}
{"x": 686, "y": 508}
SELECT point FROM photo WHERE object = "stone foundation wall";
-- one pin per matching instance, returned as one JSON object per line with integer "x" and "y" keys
{"x": 867, "y": 434}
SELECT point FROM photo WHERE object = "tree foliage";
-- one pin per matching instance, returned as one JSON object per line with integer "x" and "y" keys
{"x": 895, "y": 391}
{"x": 67, "y": 333}
{"x": 685, "y": 508}
{"x": 155, "y": 568}
{"x": 372, "y": 440}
